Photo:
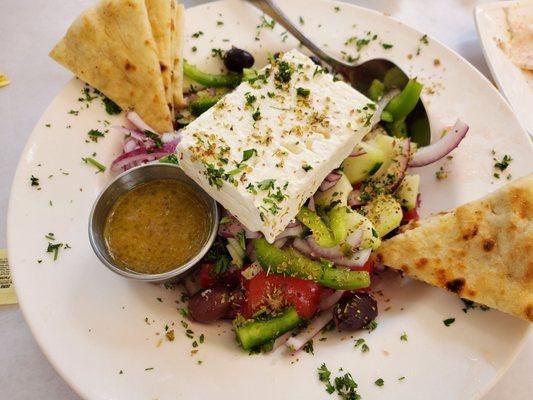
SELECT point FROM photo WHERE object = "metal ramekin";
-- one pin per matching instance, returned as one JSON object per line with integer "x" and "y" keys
{"x": 123, "y": 183}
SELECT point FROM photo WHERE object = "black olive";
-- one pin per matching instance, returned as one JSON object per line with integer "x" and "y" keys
{"x": 316, "y": 60}
{"x": 236, "y": 59}
{"x": 354, "y": 311}
{"x": 210, "y": 304}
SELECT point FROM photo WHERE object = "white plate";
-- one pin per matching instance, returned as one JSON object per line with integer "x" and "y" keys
{"x": 91, "y": 324}
{"x": 515, "y": 84}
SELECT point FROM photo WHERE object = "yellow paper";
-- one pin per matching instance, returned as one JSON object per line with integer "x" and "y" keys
{"x": 7, "y": 292}
{"x": 4, "y": 80}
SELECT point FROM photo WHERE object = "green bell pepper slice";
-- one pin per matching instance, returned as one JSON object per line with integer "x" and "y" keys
{"x": 403, "y": 103}
{"x": 321, "y": 232}
{"x": 291, "y": 263}
{"x": 210, "y": 80}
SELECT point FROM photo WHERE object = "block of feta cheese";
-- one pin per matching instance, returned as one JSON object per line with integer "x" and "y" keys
{"x": 266, "y": 147}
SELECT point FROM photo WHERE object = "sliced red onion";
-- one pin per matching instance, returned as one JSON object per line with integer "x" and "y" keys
{"x": 280, "y": 341}
{"x": 382, "y": 103}
{"x": 296, "y": 230}
{"x": 357, "y": 153}
{"x": 325, "y": 185}
{"x": 252, "y": 234}
{"x": 311, "y": 204}
{"x": 280, "y": 242}
{"x": 170, "y": 136}
{"x": 140, "y": 137}
{"x": 302, "y": 246}
{"x": 330, "y": 253}
{"x": 137, "y": 155}
{"x": 356, "y": 261}
{"x": 295, "y": 343}
{"x": 331, "y": 300}
{"x": 231, "y": 228}
{"x": 442, "y": 147}
{"x": 354, "y": 239}
{"x": 192, "y": 284}
{"x": 333, "y": 176}
{"x": 354, "y": 198}
{"x": 392, "y": 178}
{"x": 130, "y": 145}
{"x": 293, "y": 223}
{"x": 137, "y": 121}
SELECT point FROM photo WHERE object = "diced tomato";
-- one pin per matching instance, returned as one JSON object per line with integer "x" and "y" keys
{"x": 410, "y": 215}
{"x": 276, "y": 291}
{"x": 207, "y": 275}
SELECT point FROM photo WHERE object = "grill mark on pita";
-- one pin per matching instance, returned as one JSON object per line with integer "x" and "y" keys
{"x": 470, "y": 233}
{"x": 163, "y": 67}
{"x": 455, "y": 285}
{"x": 421, "y": 263}
{"x": 129, "y": 66}
{"x": 529, "y": 312}
{"x": 488, "y": 244}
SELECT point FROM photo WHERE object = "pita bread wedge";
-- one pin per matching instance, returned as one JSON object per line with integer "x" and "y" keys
{"x": 111, "y": 47}
{"x": 483, "y": 251}
{"x": 178, "y": 42}
{"x": 160, "y": 15}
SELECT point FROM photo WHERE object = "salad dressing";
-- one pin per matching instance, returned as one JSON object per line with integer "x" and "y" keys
{"x": 156, "y": 226}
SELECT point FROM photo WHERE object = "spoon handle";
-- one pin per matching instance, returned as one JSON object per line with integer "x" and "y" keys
{"x": 272, "y": 10}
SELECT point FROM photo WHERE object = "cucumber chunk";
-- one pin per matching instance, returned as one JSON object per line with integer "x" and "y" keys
{"x": 386, "y": 145}
{"x": 370, "y": 239}
{"x": 385, "y": 213}
{"x": 338, "y": 194}
{"x": 407, "y": 192}
{"x": 359, "y": 168}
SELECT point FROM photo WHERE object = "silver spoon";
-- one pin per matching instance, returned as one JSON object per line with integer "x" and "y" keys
{"x": 359, "y": 76}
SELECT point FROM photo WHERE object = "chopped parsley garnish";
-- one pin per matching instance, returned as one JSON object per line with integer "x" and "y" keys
{"x": 54, "y": 248}
{"x": 336, "y": 8}
{"x": 266, "y": 184}
{"x": 308, "y": 347}
{"x": 155, "y": 137}
{"x": 470, "y": 305}
{"x": 379, "y": 382}
{"x": 361, "y": 342}
{"x": 324, "y": 374}
{"x": 265, "y": 23}
{"x": 271, "y": 94}
{"x": 256, "y": 115}
{"x": 149, "y": 369}
{"x": 250, "y": 98}
{"x": 386, "y": 46}
{"x": 201, "y": 338}
{"x": 94, "y": 134}
{"x": 217, "y": 53}
{"x": 503, "y": 163}
{"x": 111, "y": 107}
{"x": 194, "y": 49}
{"x": 34, "y": 181}
{"x": 284, "y": 72}
{"x": 93, "y": 162}
{"x": 170, "y": 159}
{"x": 307, "y": 167}
{"x": 401, "y": 378}
{"x": 220, "y": 23}
{"x": 346, "y": 387}
{"x": 448, "y": 321}
{"x": 371, "y": 326}
{"x": 247, "y": 154}
{"x": 48, "y": 125}
{"x": 403, "y": 337}
{"x": 301, "y": 20}
{"x": 303, "y": 92}
{"x": 424, "y": 39}
{"x": 196, "y": 35}
{"x": 74, "y": 112}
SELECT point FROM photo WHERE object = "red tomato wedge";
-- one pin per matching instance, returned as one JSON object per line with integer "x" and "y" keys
{"x": 281, "y": 291}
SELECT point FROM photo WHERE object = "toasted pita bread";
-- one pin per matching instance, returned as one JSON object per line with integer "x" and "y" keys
{"x": 160, "y": 15}
{"x": 111, "y": 47}
{"x": 483, "y": 251}
{"x": 520, "y": 21}
{"x": 178, "y": 44}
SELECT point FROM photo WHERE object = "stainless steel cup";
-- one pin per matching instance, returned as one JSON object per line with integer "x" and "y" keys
{"x": 125, "y": 182}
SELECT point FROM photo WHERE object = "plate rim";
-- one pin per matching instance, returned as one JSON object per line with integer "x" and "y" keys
{"x": 74, "y": 385}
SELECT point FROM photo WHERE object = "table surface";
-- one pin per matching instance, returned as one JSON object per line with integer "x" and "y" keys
{"x": 28, "y": 29}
